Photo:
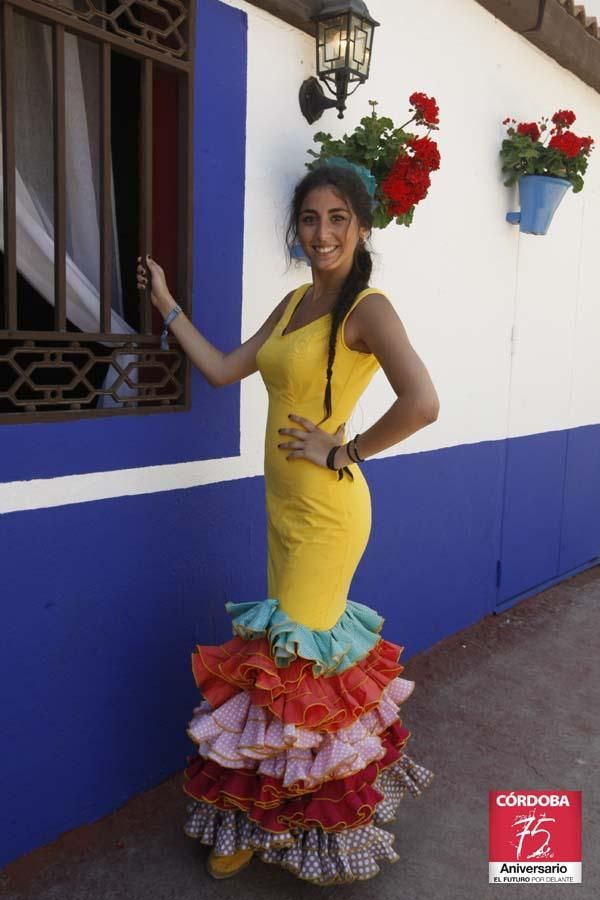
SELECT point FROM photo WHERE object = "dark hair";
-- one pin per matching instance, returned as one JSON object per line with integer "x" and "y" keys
{"x": 350, "y": 186}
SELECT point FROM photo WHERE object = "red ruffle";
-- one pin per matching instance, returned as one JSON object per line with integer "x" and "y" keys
{"x": 292, "y": 693}
{"x": 335, "y": 805}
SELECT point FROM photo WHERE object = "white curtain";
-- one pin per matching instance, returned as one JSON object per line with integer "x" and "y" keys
{"x": 35, "y": 183}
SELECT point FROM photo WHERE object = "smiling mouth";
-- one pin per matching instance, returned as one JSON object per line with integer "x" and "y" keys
{"x": 324, "y": 251}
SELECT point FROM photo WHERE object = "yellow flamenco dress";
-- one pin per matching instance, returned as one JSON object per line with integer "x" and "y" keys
{"x": 300, "y": 754}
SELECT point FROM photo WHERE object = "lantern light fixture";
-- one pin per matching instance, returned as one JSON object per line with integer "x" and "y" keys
{"x": 344, "y": 39}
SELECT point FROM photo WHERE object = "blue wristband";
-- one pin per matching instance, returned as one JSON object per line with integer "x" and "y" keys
{"x": 168, "y": 319}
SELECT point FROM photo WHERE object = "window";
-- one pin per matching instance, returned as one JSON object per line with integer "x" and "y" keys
{"x": 96, "y": 170}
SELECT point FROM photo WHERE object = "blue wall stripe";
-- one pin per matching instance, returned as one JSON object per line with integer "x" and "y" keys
{"x": 532, "y": 512}
{"x": 95, "y": 681}
{"x": 580, "y": 537}
{"x": 211, "y": 428}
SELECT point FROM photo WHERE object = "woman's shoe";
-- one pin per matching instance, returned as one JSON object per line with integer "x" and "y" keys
{"x": 225, "y": 866}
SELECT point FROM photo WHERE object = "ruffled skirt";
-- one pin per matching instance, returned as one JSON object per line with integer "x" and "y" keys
{"x": 300, "y": 745}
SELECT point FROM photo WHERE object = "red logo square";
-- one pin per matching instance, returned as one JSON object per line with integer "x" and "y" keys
{"x": 535, "y": 836}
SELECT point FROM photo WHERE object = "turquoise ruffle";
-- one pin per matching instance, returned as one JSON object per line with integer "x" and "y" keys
{"x": 351, "y": 638}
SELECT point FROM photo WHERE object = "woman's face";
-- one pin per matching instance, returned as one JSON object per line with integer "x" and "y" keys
{"x": 328, "y": 230}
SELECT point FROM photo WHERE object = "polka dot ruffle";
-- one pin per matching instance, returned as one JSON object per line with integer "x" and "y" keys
{"x": 240, "y": 734}
{"x": 314, "y": 855}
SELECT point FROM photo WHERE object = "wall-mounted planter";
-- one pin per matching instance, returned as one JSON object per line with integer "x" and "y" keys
{"x": 539, "y": 197}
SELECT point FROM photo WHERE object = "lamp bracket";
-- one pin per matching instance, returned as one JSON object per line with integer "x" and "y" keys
{"x": 313, "y": 101}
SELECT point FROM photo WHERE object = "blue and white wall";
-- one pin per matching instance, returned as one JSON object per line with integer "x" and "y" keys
{"x": 122, "y": 538}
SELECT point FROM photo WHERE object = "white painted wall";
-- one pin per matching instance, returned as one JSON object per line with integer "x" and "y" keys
{"x": 460, "y": 277}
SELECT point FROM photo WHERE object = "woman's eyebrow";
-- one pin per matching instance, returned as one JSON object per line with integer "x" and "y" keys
{"x": 335, "y": 209}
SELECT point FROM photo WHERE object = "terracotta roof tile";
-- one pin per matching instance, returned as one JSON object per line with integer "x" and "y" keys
{"x": 577, "y": 10}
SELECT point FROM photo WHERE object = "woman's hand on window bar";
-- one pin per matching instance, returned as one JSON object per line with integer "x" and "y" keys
{"x": 204, "y": 356}
{"x": 160, "y": 295}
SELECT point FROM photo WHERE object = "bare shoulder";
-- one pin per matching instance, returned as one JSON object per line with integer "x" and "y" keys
{"x": 281, "y": 306}
{"x": 276, "y": 313}
{"x": 274, "y": 317}
{"x": 379, "y": 327}
{"x": 376, "y": 300}
{"x": 372, "y": 313}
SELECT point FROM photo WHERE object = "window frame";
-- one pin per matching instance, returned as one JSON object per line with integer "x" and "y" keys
{"x": 144, "y": 343}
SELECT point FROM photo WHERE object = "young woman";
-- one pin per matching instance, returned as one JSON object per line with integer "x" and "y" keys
{"x": 300, "y": 744}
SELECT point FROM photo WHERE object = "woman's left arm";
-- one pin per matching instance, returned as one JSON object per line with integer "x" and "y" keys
{"x": 377, "y": 325}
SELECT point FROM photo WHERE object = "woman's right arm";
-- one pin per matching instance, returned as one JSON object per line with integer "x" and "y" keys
{"x": 217, "y": 367}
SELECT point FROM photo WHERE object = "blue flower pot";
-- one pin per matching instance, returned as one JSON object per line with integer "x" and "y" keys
{"x": 539, "y": 197}
{"x": 298, "y": 253}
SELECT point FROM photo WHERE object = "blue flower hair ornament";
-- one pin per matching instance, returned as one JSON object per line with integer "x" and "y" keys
{"x": 363, "y": 173}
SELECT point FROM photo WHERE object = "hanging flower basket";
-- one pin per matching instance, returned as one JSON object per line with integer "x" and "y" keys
{"x": 544, "y": 172}
{"x": 394, "y": 164}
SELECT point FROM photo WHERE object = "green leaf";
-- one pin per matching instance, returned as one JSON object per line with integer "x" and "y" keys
{"x": 577, "y": 184}
{"x": 381, "y": 219}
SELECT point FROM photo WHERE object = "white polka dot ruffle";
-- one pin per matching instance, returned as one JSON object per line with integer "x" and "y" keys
{"x": 322, "y": 857}
{"x": 241, "y": 735}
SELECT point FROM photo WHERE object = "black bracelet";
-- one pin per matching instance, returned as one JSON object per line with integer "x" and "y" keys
{"x": 349, "y": 452}
{"x": 359, "y": 457}
{"x": 330, "y": 457}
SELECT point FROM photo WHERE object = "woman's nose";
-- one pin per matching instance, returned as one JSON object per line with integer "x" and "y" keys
{"x": 322, "y": 231}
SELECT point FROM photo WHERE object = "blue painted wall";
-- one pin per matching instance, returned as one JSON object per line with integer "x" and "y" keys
{"x": 95, "y": 682}
{"x": 211, "y": 428}
{"x": 107, "y": 600}
{"x": 580, "y": 534}
{"x": 550, "y": 520}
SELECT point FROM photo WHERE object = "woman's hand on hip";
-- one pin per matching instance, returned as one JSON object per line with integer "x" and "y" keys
{"x": 310, "y": 441}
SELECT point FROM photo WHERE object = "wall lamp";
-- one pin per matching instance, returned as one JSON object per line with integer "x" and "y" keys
{"x": 344, "y": 35}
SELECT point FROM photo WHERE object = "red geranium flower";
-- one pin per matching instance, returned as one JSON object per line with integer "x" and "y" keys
{"x": 404, "y": 187}
{"x": 567, "y": 143}
{"x": 563, "y": 118}
{"x": 529, "y": 128}
{"x": 408, "y": 180}
{"x": 426, "y": 152}
{"x": 586, "y": 144}
{"x": 426, "y": 108}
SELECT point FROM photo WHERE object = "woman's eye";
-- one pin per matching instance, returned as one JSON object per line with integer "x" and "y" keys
{"x": 309, "y": 220}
